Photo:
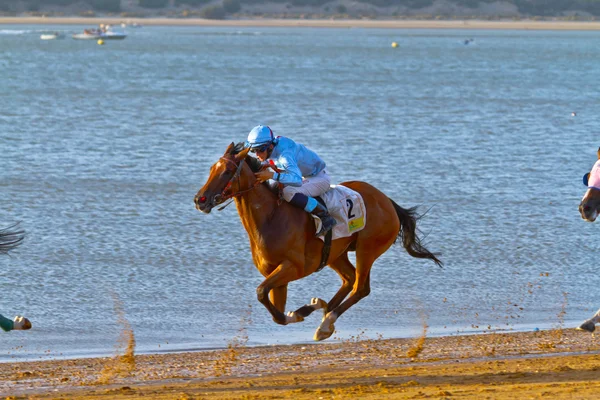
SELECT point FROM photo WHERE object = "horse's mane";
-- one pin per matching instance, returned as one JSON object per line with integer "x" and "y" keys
{"x": 10, "y": 239}
{"x": 254, "y": 163}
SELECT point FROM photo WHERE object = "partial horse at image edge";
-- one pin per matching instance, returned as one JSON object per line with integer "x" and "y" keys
{"x": 589, "y": 208}
{"x": 283, "y": 245}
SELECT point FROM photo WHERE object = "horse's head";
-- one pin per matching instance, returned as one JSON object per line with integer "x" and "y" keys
{"x": 589, "y": 208}
{"x": 223, "y": 180}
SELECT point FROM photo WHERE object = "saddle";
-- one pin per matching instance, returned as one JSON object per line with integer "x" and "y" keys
{"x": 348, "y": 209}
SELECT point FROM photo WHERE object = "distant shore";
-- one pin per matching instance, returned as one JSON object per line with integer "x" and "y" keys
{"x": 313, "y": 23}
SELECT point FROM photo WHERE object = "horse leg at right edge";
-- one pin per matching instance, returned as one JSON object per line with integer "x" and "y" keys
{"x": 590, "y": 324}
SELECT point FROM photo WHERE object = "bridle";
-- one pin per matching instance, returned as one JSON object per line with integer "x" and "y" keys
{"x": 223, "y": 196}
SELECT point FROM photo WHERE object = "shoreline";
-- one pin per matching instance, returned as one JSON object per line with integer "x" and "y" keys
{"x": 560, "y": 363}
{"x": 299, "y": 340}
{"x": 314, "y": 23}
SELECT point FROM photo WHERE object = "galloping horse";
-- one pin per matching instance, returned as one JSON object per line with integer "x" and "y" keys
{"x": 589, "y": 208}
{"x": 284, "y": 246}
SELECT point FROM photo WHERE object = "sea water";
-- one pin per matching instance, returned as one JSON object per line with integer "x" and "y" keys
{"x": 102, "y": 149}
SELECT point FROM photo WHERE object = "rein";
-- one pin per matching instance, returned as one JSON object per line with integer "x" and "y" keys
{"x": 223, "y": 196}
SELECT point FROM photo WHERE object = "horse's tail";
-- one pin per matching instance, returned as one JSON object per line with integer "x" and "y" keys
{"x": 9, "y": 239}
{"x": 408, "y": 233}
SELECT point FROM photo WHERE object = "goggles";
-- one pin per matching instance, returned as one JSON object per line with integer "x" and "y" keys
{"x": 260, "y": 149}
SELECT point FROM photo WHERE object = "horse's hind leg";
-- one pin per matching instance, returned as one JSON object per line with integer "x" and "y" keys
{"x": 590, "y": 324}
{"x": 345, "y": 270}
{"x": 361, "y": 289}
{"x": 278, "y": 297}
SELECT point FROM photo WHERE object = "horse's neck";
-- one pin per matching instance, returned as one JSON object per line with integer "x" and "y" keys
{"x": 257, "y": 208}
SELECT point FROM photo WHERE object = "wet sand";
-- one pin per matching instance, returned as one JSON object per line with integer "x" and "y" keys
{"x": 322, "y": 23}
{"x": 554, "y": 364}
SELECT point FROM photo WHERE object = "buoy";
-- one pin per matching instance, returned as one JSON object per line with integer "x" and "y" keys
{"x": 394, "y": 44}
{"x": 100, "y": 42}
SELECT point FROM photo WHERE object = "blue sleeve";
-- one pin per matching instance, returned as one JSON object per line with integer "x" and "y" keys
{"x": 6, "y": 324}
{"x": 291, "y": 175}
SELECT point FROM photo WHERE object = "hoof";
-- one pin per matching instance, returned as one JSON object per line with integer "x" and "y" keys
{"x": 322, "y": 334}
{"x": 293, "y": 317}
{"x": 587, "y": 326}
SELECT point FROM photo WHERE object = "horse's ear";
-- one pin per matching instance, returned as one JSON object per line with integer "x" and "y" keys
{"x": 242, "y": 154}
{"x": 598, "y": 153}
{"x": 229, "y": 148}
{"x": 238, "y": 147}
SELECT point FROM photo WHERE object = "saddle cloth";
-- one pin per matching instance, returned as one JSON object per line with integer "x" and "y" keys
{"x": 348, "y": 209}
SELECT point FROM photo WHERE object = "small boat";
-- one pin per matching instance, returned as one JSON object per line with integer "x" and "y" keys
{"x": 52, "y": 36}
{"x": 96, "y": 34}
{"x": 130, "y": 25}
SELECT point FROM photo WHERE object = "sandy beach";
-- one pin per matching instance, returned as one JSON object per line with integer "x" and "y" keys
{"x": 314, "y": 23}
{"x": 555, "y": 364}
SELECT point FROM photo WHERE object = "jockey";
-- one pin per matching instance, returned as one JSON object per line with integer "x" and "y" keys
{"x": 299, "y": 169}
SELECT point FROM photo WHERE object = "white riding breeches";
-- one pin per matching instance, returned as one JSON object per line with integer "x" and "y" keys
{"x": 312, "y": 186}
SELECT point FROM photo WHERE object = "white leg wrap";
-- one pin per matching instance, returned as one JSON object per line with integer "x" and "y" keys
{"x": 318, "y": 304}
{"x": 292, "y": 317}
{"x": 315, "y": 304}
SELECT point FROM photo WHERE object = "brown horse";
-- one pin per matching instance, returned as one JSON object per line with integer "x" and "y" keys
{"x": 589, "y": 208}
{"x": 284, "y": 246}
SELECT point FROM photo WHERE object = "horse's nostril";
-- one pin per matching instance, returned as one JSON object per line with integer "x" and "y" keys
{"x": 586, "y": 208}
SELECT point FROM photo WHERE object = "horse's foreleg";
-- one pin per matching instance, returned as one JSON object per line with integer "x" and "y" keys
{"x": 346, "y": 271}
{"x": 275, "y": 286}
{"x": 306, "y": 310}
{"x": 278, "y": 297}
{"x": 590, "y": 324}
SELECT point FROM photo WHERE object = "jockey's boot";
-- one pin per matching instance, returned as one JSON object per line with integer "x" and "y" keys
{"x": 327, "y": 221}
{"x": 311, "y": 205}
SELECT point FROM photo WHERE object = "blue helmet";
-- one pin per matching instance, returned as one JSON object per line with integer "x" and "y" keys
{"x": 259, "y": 136}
